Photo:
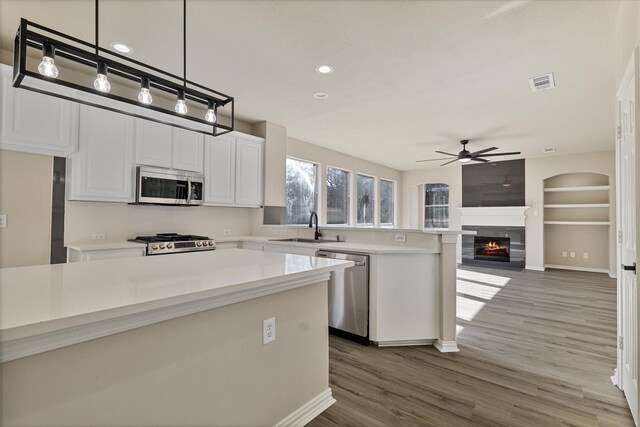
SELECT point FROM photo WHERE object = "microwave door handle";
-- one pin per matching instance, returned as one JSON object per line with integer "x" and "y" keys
{"x": 189, "y": 191}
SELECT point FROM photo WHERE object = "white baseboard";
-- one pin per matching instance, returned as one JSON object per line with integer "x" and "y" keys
{"x": 307, "y": 412}
{"x": 533, "y": 267}
{"x": 403, "y": 343}
{"x": 572, "y": 268}
{"x": 613, "y": 275}
{"x": 446, "y": 346}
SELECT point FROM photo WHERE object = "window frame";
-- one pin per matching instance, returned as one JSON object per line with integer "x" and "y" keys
{"x": 425, "y": 206}
{"x": 317, "y": 194}
{"x": 349, "y": 205}
{"x": 375, "y": 202}
{"x": 394, "y": 204}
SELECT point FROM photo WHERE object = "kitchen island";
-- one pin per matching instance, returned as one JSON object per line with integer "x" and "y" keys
{"x": 168, "y": 340}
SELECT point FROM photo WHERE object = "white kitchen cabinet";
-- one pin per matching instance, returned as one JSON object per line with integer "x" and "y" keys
{"x": 220, "y": 170}
{"x": 36, "y": 123}
{"x": 75, "y": 255}
{"x": 248, "y": 172}
{"x": 103, "y": 167}
{"x": 233, "y": 170}
{"x": 161, "y": 145}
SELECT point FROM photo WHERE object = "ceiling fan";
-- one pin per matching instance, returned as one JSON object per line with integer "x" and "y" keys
{"x": 467, "y": 156}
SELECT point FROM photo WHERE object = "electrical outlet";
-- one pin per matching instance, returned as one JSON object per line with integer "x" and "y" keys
{"x": 572, "y": 254}
{"x": 3, "y": 220}
{"x": 98, "y": 236}
{"x": 227, "y": 232}
{"x": 564, "y": 254}
{"x": 401, "y": 238}
{"x": 585, "y": 255}
{"x": 268, "y": 330}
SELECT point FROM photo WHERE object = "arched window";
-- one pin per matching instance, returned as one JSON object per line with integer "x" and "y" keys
{"x": 436, "y": 206}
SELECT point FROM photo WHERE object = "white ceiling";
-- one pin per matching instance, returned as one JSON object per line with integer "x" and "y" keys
{"x": 410, "y": 77}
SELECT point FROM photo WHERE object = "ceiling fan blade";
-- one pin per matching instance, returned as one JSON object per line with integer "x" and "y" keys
{"x": 448, "y": 154}
{"x": 486, "y": 150}
{"x": 477, "y": 159}
{"x": 502, "y": 154}
{"x": 454, "y": 160}
{"x": 431, "y": 160}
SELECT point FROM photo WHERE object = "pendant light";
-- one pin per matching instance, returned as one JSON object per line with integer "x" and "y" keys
{"x": 181, "y": 106}
{"x": 210, "y": 116}
{"x": 47, "y": 67}
{"x": 101, "y": 83}
{"x": 144, "y": 96}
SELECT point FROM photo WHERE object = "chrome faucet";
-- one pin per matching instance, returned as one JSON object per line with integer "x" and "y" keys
{"x": 317, "y": 234}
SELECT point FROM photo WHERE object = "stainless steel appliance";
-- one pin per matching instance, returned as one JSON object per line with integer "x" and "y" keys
{"x": 169, "y": 243}
{"x": 160, "y": 186}
{"x": 349, "y": 297}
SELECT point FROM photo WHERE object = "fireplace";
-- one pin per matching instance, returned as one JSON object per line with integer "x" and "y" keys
{"x": 491, "y": 248}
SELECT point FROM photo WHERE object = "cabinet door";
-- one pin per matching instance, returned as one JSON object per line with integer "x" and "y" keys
{"x": 187, "y": 150}
{"x": 219, "y": 170}
{"x": 248, "y": 172}
{"x": 36, "y": 123}
{"x": 103, "y": 167}
{"x": 153, "y": 144}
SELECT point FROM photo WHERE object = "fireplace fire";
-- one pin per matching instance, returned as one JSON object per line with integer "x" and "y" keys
{"x": 491, "y": 248}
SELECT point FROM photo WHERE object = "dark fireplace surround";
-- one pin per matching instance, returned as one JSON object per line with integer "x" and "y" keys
{"x": 494, "y": 247}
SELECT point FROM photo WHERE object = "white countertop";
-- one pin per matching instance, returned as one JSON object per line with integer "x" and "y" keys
{"x": 49, "y": 306}
{"x": 371, "y": 248}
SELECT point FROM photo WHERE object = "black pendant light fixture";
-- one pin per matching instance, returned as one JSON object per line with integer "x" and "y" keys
{"x": 81, "y": 56}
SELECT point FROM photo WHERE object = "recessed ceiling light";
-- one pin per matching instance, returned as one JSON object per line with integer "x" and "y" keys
{"x": 321, "y": 95}
{"x": 121, "y": 47}
{"x": 324, "y": 69}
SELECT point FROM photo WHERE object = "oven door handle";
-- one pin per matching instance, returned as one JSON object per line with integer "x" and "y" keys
{"x": 189, "y": 191}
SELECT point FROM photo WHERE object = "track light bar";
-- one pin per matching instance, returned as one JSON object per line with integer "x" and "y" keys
{"x": 51, "y": 80}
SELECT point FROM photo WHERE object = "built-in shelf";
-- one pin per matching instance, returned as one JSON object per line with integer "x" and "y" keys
{"x": 582, "y": 188}
{"x": 577, "y": 222}
{"x": 579, "y": 205}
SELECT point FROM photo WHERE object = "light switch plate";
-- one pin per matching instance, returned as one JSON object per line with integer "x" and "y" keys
{"x": 3, "y": 220}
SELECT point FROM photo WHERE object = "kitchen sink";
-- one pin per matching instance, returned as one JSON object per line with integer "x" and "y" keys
{"x": 299, "y": 240}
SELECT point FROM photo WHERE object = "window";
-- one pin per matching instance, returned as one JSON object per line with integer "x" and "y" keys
{"x": 366, "y": 199}
{"x": 301, "y": 191}
{"x": 387, "y": 203}
{"x": 436, "y": 206}
{"x": 337, "y": 196}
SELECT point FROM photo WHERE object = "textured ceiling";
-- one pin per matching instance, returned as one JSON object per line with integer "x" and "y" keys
{"x": 410, "y": 77}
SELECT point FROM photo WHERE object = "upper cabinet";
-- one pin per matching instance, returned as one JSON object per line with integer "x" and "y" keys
{"x": 103, "y": 167}
{"x": 165, "y": 146}
{"x": 233, "y": 170}
{"x": 36, "y": 123}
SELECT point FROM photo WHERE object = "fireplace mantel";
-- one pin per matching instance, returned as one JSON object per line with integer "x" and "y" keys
{"x": 506, "y": 216}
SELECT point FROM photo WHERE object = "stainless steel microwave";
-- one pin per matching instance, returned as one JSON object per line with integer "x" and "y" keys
{"x": 160, "y": 186}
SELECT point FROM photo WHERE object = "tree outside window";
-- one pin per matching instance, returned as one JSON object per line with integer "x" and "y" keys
{"x": 337, "y": 196}
{"x": 436, "y": 206}
{"x": 366, "y": 200}
{"x": 301, "y": 191}
{"x": 387, "y": 203}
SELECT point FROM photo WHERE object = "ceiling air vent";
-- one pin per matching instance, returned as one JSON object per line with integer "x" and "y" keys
{"x": 548, "y": 150}
{"x": 542, "y": 82}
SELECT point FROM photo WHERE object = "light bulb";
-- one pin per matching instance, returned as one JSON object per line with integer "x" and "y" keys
{"x": 101, "y": 83}
{"x": 464, "y": 160}
{"x": 47, "y": 67}
{"x": 144, "y": 96}
{"x": 181, "y": 106}
{"x": 211, "y": 113}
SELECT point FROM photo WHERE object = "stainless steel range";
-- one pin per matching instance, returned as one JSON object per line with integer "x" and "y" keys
{"x": 169, "y": 243}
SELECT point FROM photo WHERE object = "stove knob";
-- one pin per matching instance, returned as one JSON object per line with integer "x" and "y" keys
{"x": 205, "y": 243}
{"x": 169, "y": 245}
{"x": 154, "y": 247}
{"x": 198, "y": 244}
{"x": 162, "y": 246}
{"x": 210, "y": 242}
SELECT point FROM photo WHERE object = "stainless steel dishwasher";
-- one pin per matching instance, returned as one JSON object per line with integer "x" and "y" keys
{"x": 349, "y": 297}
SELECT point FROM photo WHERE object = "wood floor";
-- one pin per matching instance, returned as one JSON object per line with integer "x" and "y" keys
{"x": 537, "y": 349}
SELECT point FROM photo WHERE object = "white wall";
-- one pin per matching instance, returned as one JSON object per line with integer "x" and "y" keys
{"x": 25, "y": 196}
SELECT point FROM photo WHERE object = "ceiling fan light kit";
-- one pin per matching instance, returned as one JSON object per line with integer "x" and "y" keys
{"x": 465, "y": 156}
{"x": 47, "y": 78}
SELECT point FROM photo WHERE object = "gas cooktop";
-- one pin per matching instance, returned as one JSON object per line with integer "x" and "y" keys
{"x": 168, "y": 243}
